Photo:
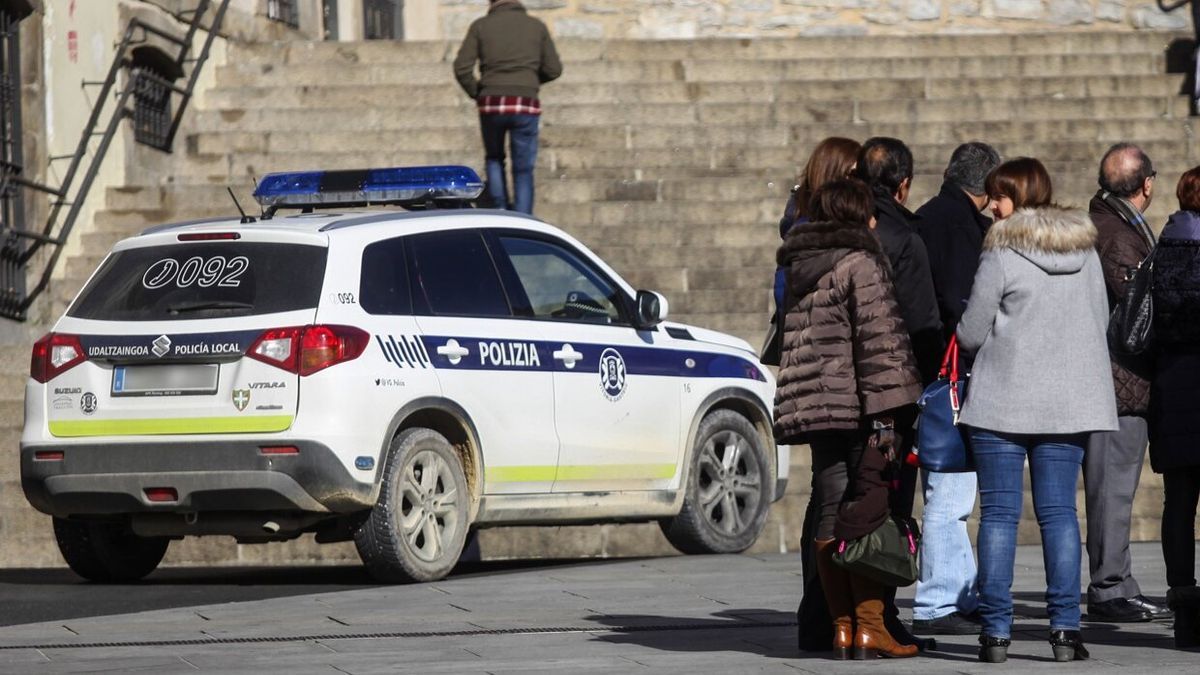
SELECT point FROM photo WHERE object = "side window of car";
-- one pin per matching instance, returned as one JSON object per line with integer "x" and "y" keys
{"x": 453, "y": 274}
{"x": 560, "y": 284}
{"x": 384, "y": 287}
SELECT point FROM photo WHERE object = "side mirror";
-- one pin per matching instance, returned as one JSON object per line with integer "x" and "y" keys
{"x": 651, "y": 309}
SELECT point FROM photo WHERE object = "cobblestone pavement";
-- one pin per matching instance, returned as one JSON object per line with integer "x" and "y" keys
{"x": 718, "y": 614}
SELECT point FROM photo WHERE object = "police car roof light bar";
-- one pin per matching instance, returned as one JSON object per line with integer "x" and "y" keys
{"x": 419, "y": 187}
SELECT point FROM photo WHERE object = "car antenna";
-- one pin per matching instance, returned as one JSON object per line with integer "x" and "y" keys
{"x": 245, "y": 218}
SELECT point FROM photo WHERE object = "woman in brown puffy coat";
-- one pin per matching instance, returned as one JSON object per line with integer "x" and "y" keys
{"x": 846, "y": 369}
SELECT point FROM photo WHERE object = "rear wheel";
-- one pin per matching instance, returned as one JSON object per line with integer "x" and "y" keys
{"x": 107, "y": 552}
{"x": 725, "y": 507}
{"x": 419, "y": 525}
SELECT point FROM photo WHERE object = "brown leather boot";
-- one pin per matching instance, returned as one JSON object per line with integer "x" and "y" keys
{"x": 835, "y": 582}
{"x": 871, "y": 638}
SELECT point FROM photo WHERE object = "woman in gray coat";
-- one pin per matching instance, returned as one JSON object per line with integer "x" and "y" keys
{"x": 1040, "y": 383}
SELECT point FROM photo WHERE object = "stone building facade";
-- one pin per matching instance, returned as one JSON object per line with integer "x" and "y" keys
{"x": 666, "y": 19}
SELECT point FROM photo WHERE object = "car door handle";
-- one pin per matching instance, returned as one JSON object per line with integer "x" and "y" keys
{"x": 567, "y": 355}
{"x": 453, "y": 351}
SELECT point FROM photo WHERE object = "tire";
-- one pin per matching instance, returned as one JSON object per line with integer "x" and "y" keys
{"x": 107, "y": 552}
{"x": 417, "y": 529}
{"x": 728, "y": 491}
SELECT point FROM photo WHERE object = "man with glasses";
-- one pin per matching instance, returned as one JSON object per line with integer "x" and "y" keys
{"x": 1112, "y": 464}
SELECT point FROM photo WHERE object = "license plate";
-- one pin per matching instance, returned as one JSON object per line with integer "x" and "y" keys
{"x": 173, "y": 380}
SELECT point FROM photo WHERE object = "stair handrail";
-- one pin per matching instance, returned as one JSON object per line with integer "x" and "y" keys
{"x": 47, "y": 236}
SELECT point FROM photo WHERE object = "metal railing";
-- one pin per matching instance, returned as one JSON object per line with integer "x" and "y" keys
{"x": 156, "y": 122}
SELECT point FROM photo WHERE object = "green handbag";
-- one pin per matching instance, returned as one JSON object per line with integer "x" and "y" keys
{"x": 887, "y": 555}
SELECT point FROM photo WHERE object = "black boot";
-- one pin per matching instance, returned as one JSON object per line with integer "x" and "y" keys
{"x": 1185, "y": 602}
{"x": 900, "y": 632}
{"x": 993, "y": 649}
{"x": 1068, "y": 646}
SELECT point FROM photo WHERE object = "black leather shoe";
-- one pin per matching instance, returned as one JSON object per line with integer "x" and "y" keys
{"x": 1117, "y": 610}
{"x": 953, "y": 623}
{"x": 1155, "y": 610}
{"x": 993, "y": 649}
{"x": 1068, "y": 646}
{"x": 901, "y": 634}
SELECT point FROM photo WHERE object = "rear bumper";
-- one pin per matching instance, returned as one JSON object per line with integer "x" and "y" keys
{"x": 105, "y": 479}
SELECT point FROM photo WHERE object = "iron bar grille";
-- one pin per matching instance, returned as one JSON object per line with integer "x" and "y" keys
{"x": 383, "y": 19}
{"x": 151, "y": 109}
{"x": 12, "y": 212}
{"x": 284, "y": 11}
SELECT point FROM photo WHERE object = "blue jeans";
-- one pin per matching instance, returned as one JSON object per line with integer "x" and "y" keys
{"x": 1054, "y": 463}
{"x": 522, "y": 132}
{"x": 947, "y": 581}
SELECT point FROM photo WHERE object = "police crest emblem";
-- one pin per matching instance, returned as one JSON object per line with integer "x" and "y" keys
{"x": 612, "y": 374}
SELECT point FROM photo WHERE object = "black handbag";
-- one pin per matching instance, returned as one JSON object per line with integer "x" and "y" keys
{"x": 941, "y": 443}
{"x": 888, "y": 555}
{"x": 1131, "y": 324}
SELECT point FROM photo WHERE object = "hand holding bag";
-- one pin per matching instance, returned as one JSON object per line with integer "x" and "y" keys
{"x": 888, "y": 555}
{"x": 941, "y": 443}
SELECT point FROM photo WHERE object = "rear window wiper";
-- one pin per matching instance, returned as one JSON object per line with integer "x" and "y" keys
{"x": 199, "y": 305}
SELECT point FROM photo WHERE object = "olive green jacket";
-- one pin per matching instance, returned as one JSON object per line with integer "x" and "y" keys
{"x": 514, "y": 50}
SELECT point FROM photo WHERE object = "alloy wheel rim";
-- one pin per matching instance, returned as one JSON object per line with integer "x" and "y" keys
{"x": 429, "y": 518}
{"x": 730, "y": 481}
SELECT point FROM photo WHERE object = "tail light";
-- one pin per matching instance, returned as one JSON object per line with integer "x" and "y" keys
{"x": 308, "y": 349}
{"x": 55, "y": 354}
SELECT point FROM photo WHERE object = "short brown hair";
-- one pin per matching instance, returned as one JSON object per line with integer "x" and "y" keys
{"x": 1024, "y": 180}
{"x": 843, "y": 201}
{"x": 830, "y": 160}
{"x": 1188, "y": 190}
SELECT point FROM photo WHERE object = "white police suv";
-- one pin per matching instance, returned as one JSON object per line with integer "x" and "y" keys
{"x": 392, "y": 378}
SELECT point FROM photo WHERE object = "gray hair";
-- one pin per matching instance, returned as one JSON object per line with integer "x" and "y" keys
{"x": 970, "y": 165}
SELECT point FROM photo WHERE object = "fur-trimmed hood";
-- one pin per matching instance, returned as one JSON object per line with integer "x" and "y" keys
{"x": 1056, "y": 239}
{"x": 812, "y": 249}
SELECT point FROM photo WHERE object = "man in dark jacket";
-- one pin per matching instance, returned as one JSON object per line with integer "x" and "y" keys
{"x": 952, "y": 226}
{"x": 516, "y": 56}
{"x": 886, "y": 165}
{"x": 1112, "y": 464}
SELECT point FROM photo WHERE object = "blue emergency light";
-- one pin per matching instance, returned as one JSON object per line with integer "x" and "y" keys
{"x": 420, "y": 186}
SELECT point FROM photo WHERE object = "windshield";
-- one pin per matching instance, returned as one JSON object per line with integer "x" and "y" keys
{"x": 202, "y": 280}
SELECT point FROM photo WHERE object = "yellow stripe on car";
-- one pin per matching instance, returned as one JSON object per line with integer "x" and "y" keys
{"x": 171, "y": 425}
{"x": 537, "y": 474}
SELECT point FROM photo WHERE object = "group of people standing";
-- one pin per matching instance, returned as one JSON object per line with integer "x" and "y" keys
{"x": 869, "y": 294}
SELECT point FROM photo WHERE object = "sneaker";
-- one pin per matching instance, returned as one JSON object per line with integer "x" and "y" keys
{"x": 953, "y": 623}
{"x": 1117, "y": 610}
{"x": 1155, "y": 610}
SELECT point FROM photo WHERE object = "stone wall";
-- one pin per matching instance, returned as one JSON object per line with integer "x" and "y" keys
{"x": 670, "y": 19}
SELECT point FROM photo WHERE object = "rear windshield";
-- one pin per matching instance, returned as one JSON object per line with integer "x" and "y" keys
{"x": 203, "y": 280}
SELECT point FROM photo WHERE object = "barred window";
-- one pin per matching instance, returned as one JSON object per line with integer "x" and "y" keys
{"x": 284, "y": 11}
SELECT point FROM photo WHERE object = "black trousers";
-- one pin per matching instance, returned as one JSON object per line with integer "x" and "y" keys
{"x": 1181, "y": 491}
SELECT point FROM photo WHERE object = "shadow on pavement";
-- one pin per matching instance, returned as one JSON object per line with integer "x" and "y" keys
{"x": 37, "y": 595}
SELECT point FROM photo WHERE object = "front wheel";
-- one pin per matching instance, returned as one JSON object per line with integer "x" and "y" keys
{"x": 419, "y": 525}
{"x": 107, "y": 552}
{"x": 725, "y": 507}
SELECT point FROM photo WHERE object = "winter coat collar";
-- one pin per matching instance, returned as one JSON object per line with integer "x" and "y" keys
{"x": 959, "y": 196}
{"x": 503, "y": 5}
{"x": 1049, "y": 229}
{"x": 1055, "y": 239}
{"x": 1121, "y": 210}
{"x": 807, "y": 236}
{"x": 1182, "y": 225}
{"x": 890, "y": 212}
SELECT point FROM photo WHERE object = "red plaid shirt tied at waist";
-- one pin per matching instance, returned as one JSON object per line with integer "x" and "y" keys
{"x": 509, "y": 105}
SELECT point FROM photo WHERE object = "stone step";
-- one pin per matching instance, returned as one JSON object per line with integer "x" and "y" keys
{"x": 716, "y": 70}
{"x": 358, "y": 54}
{"x": 277, "y": 120}
{"x": 640, "y": 137}
{"x": 418, "y": 97}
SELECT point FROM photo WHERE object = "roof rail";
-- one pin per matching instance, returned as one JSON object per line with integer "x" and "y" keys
{"x": 411, "y": 215}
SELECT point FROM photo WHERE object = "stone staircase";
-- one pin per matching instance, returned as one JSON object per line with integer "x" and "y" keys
{"x": 670, "y": 159}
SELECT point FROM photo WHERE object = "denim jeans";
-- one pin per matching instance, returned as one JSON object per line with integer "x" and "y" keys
{"x": 947, "y": 581}
{"x": 522, "y": 133}
{"x": 1054, "y": 462}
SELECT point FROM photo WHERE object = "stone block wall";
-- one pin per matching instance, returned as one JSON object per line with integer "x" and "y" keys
{"x": 685, "y": 19}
